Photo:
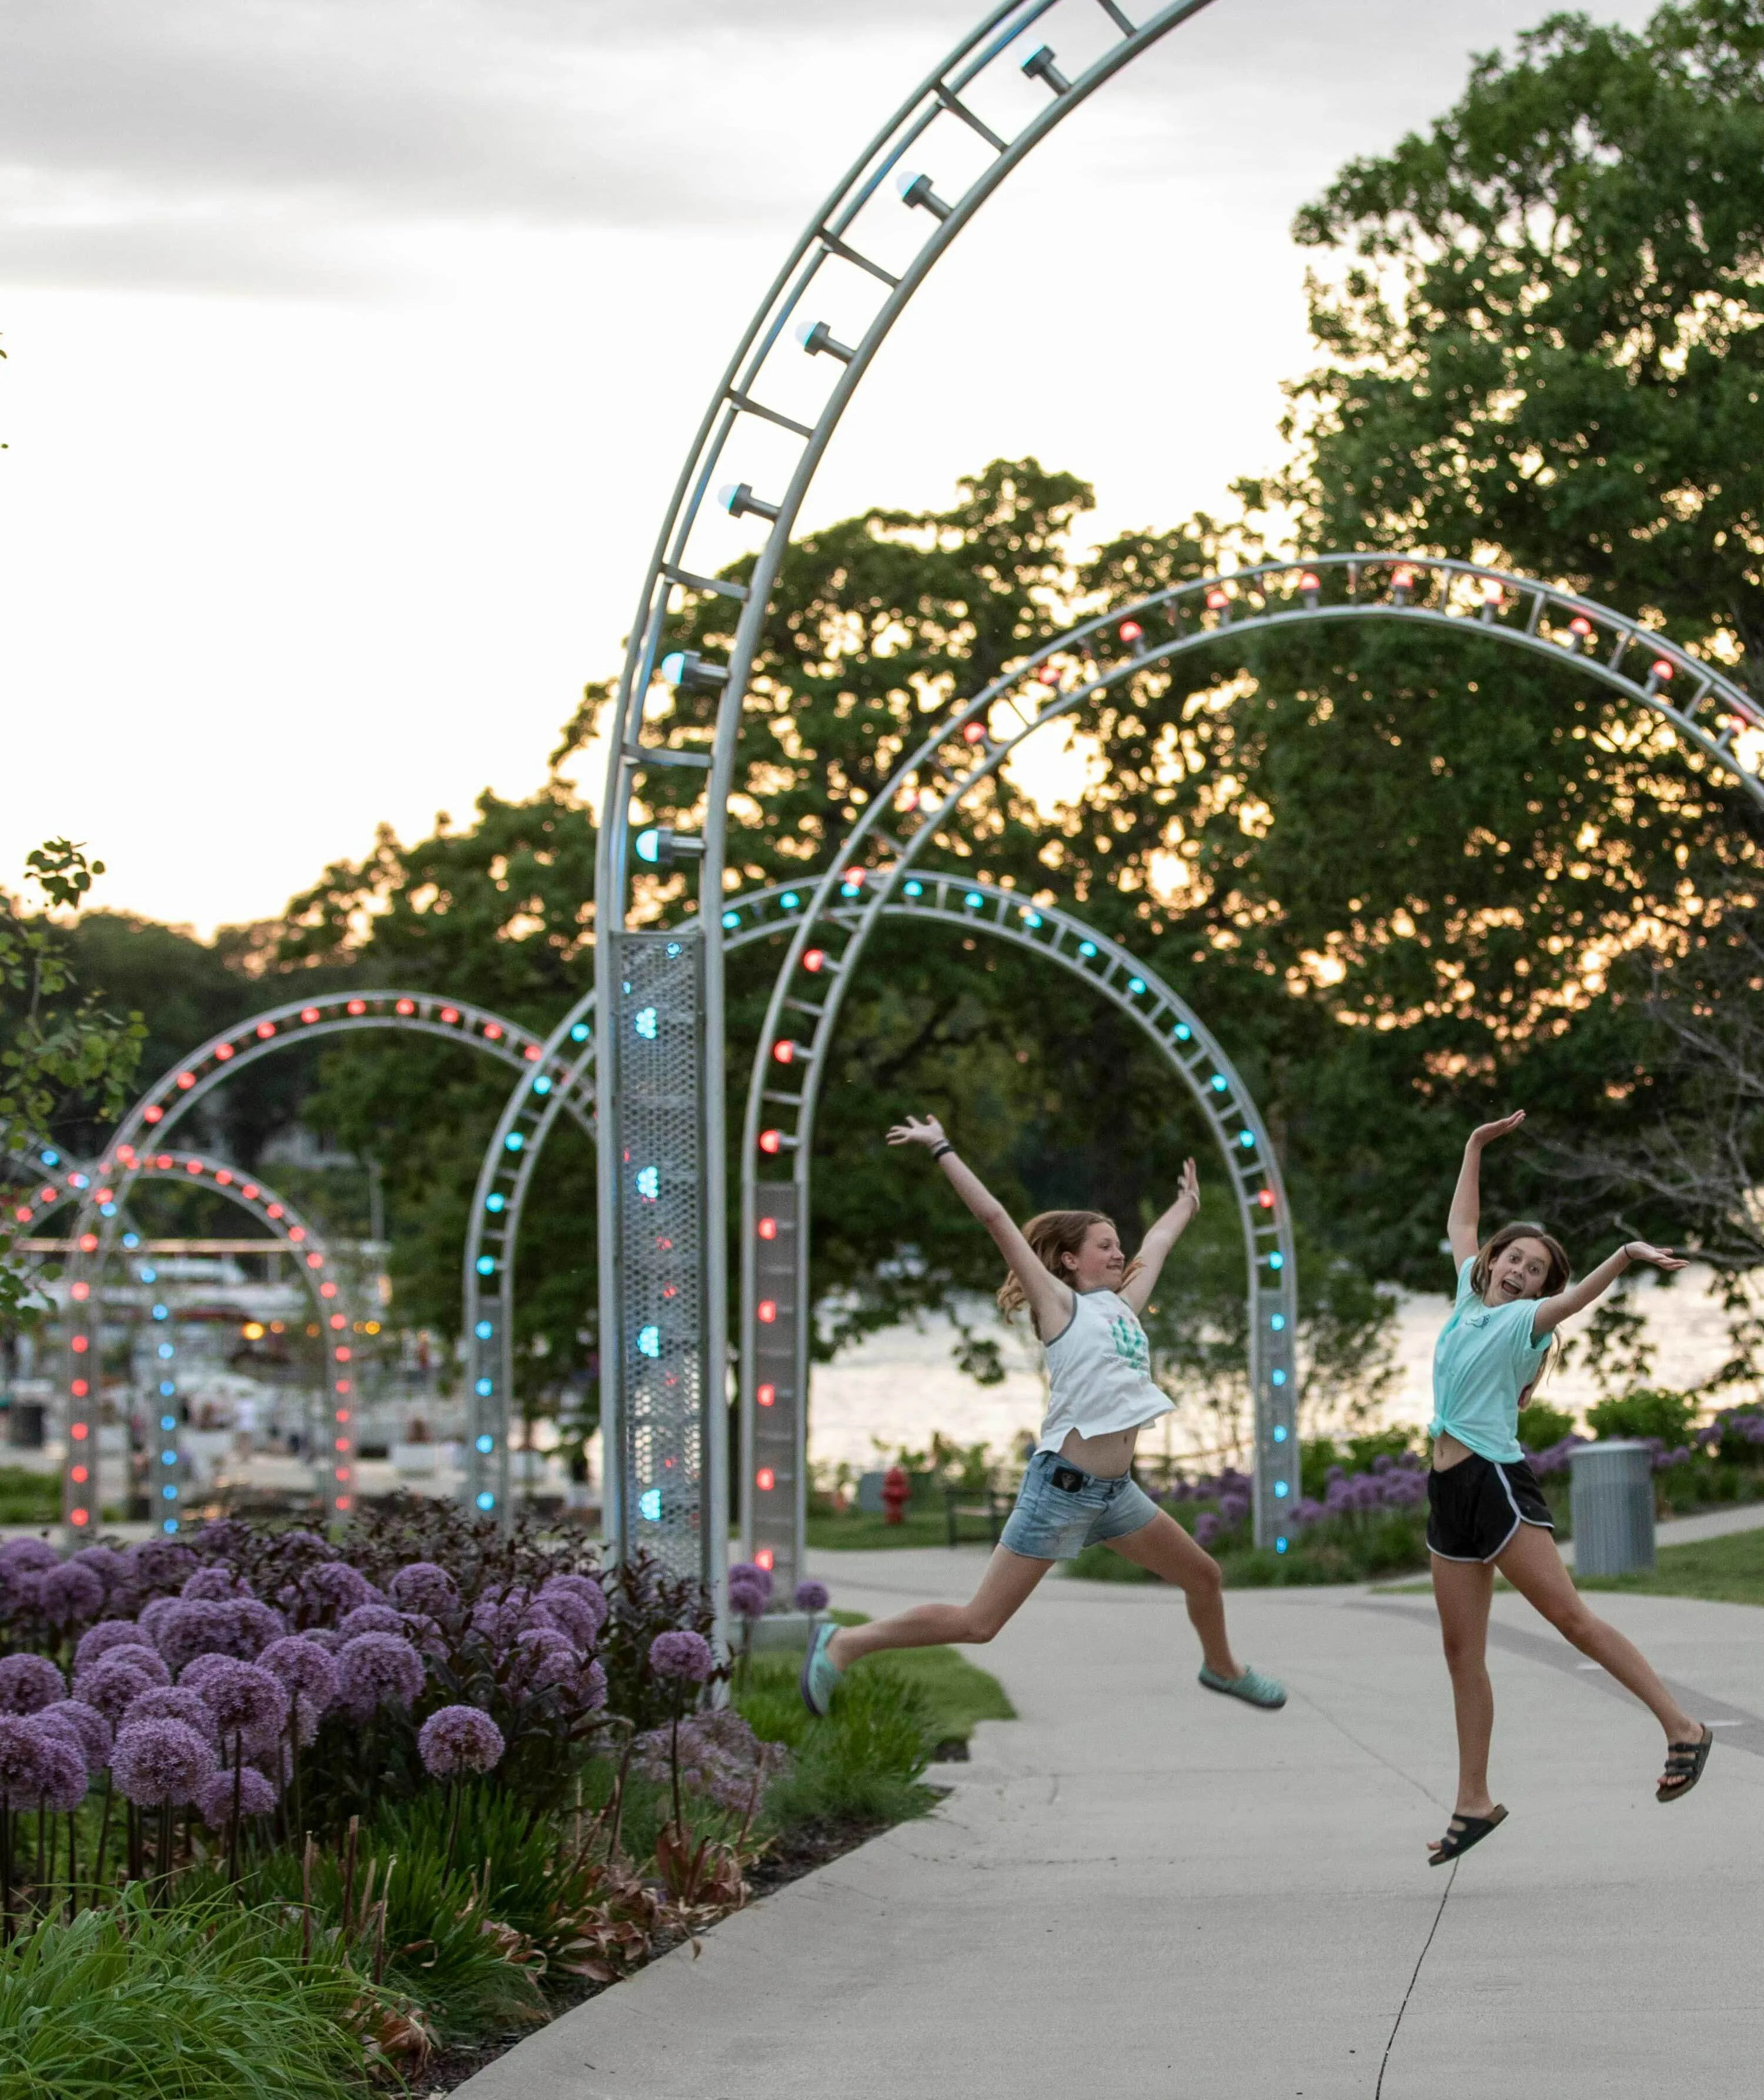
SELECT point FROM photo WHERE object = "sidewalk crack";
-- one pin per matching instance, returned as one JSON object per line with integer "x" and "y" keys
{"x": 1384, "y": 2064}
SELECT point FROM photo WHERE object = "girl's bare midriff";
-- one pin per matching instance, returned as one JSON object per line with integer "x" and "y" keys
{"x": 1106, "y": 1456}
{"x": 1448, "y": 1452}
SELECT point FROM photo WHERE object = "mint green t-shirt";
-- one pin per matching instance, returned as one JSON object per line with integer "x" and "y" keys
{"x": 1483, "y": 1360}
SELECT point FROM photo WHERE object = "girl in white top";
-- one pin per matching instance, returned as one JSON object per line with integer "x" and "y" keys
{"x": 1085, "y": 1301}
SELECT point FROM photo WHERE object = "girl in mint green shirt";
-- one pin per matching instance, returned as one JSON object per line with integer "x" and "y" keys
{"x": 1485, "y": 1508}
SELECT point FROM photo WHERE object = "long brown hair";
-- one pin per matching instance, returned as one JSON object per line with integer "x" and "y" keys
{"x": 1052, "y": 1234}
{"x": 1556, "y": 1278}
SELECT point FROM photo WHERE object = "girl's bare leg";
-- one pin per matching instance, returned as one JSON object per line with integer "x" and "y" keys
{"x": 1534, "y": 1567}
{"x": 1167, "y": 1550}
{"x": 1008, "y": 1580}
{"x": 1461, "y": 1590}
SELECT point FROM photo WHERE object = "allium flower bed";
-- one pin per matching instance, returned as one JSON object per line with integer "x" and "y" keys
{"x": 483, "y": 1769}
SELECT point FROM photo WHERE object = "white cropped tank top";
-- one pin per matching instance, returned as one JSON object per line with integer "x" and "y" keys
{"x": 1100, "y": 1373}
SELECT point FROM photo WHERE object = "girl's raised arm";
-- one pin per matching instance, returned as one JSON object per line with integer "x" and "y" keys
{"x": 1050, "y": 1300}
{"x": 1163, "y": 1236}
{"x": 1466, "y": 1210}
{"x": 1552, "y": 1312}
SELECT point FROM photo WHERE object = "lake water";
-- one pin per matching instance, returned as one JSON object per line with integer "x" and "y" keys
{"x": 898, "y": 1387}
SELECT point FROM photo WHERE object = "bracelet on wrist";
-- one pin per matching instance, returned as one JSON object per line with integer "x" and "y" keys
{"x": 939, "y": 1150}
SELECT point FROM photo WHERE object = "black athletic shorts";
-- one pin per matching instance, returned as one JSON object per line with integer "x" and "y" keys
{"x": 1474, "y": 1507}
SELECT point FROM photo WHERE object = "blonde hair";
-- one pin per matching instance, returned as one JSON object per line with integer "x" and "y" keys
{"x": 1557, "y": 1276}
{"x": 1051, "y": 1235}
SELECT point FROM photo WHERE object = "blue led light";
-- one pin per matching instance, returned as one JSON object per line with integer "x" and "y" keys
{"x": 1031, "y": 919}
{"x": 674, "y": 948}
{"x": 1219, "y": 1082}
{"x": 513, "y": 1141}
{"x": 649, "y": 1182}
{"x": 581, "y": 1032}
{"x": 78, "y": 1181}
{"x": 1278, "y": 1323}
{"x": 915, "y": 889}
{"x": 168, "y": 1422}
{"x": 1279, "y": 1378}
{"x": 131, "y": 1239}
{"x": 486, "y": 1443}
{"x": 169, "y": 1525}
{"x": 1279, "y": 1487}
{"x": 483, "y": 1331}
{"x": 107, "y": 1210}
{"x": 649, "y": 1505}
{"x": 1183, "y": 1031}
{"x": 542, "y": 1085}
{"x": 1247, "y": 1140}
{"x": 166, "y": 1350}
{"x": 1087, "y": 948}
{"x": 850, "y": 889}
{"x": 496, "y": 1202}
{"x": 50, "y": 1158}
{"x": 166, "y": 1389}
{"x": 1280, "y": 1433}
{"x": 646, "y": 1024}
{"x": 649, "y": 846}
{"x": 649, "y": 1341}
{"x": 1136, "y": 985}
{"x": 673, "y": 666}
{"x": 486, "y": 1265}
{"x": 789, "y": 901}
{"x": 168, "y": 1458}
{"x": 486, "y": 1387}
{"x": 974, "y": 900}
{"x": 161, "y": 1311}
{"x": 168, "y": 1493}
{"x": 487, "y": 1500}
{"x": 1276, "y": 1261}
{"x": 731, "y": 920}
{"x": 1279, "y": 1545}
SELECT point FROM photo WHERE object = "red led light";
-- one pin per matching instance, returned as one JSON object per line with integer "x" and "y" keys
{"x": 532, "y": 1053}
{"x": 358, "y": 1006}
{"x": 1661, "y": 667}
{"x": 250, "y": 1192}
{"x": 342, "y": 1502}
{"x": 78, "y": 1432}
{"x": 1131, "y": 630}
{"x": 88, "y": 1245}
{"x": 974, "y": 732}
{"x": 107, "y": 1195}
{"x": 193, "y": 1166}
{"x": 1218, "y": 599}
{"x": 338, "y": 1321}
{"x": 815, "y": 960}
{"x": 163, "y": 1163}
{"x": 272, "y": 1210}
{"x": 78, "y": 1516}
{"x": 493, "y": 1034}
{"x": 81, "y": 1291}
{"x": 223, "y": 1052}
{"x": 342, "y": 1385}
{"x": 783, "y": 1052}
{"x": 265, "y": 1030}
{"x": 1310, "y": 580}
{"x": 768, "y": 1396}
{"x": 1266, "y": 1199}
{"x": 342, "y": 1415}
{"x": 152, "y": 1114}
{"x": 187, "y": 1080}
{"x": 340, "y": 1355}
{"x": 766, "y": 1311}
{"x": 1404, "y": 577}
{"x": 769, "y": 1229}
{"x": 764, "y": 1559}
{"x": 80, "y": 1344}
{"x": 78, "y": 1474}
{"x": 342, "y": 1443}
{"x": 309, "y": 1014}
{"x": 222, "y": 1177}
{"x": 405, "y": 1006}
{"x": 78, "y": 1388}
{"x": 297, "y": 1234}
{"x": 765, "y": 1480}
{"x": 770, "y": 1140}
{"x": 326, "y": 1290}
{"x": 23, "y": 1213}
{"x": 1581, "y": 625}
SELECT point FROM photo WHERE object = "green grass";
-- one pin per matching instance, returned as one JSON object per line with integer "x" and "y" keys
{"x": 195, "y": 2003}
{"x": 1354, "y": 1549}
{"x": 1726, "y": 1571}
{"x": 956, "y": 1693}
{"x": 851, "y": 1530}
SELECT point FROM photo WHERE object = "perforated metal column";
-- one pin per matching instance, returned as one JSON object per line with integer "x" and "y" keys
{"x": 653, "y": 1113}
{"x": 1276, "y": 1399}
{"x": 775, "y": 1433}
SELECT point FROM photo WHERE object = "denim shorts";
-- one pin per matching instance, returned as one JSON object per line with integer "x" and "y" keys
{"x": 1052, "y": 1523}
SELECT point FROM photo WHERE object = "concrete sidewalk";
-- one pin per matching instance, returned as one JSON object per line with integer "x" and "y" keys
{"x": 1139, "y": 1885}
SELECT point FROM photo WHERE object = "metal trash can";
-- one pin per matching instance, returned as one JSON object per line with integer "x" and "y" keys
{"x": 1612, "y": 1499}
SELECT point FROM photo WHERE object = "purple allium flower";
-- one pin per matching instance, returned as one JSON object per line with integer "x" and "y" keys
{"x": 501, "y": 1616}
{"x": 1206, "y": 1527}
{"x": 682, "y": 1654}
{"x": 309, "y": 1675}
{"x": 374, "y": 1619}
{"x": 327, "y": 1639}
{"x": 69, "y": 1594}
{"x": 23, "y": 1761}
{"x": 158, "y": 1764}
{"x": 141, "y": 1656}
{"x": 544, "y": 1657}
{"x": 587, "y": 1596}
{"x": 113, "y": 1681}
{"x": 750, "y": 1571}
{"x": 747, "y": 1600}
{"x": 152, "y": 1616}
{"x": 255, "y": 1626}
{"x": 28, "y": 1557}
{"x": 421, "y": 1587}
{"x": 246, "y": 1700}
{"x": 567, "y": 1612}
{"x": 73, "y": 1716}
{"x": 193, "y": 1626}
{"x": 458, "y": 1739}
{"x": 174, "y": 1702}
{"x": 213, "y": 1798}
{"x": 221, "y": 1538}
{"x": 720, "y": 1758}
{"x": 333, "y": 1589}
{"x": 161, "y": 1564}
{"x": 108, "y": 1634}
{"x": 215, "y": 1584}
{"x": 811, "y": 1596}
{"x": 378, "y": 1669}
{"x": 29, "y": 1683}
{"x": 65, "y": 1778}
{"x": 1233, "y": 1508}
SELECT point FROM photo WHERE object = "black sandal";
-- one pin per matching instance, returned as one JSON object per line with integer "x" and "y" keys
{"x": 1684, "y": 1766}
{"x": 1461, "y": 1833}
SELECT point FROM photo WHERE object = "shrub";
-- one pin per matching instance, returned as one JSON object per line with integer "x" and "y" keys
{"x": 201, "y": 2002}
{"x": 1645, "y": 1413}
{"x": 864, "y": 1760}
{"x": 1540, "y": 1425}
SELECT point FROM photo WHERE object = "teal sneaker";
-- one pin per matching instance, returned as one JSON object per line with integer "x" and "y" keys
{"x": 1252, "y": 1687}
{"x": 820, "y": 1673}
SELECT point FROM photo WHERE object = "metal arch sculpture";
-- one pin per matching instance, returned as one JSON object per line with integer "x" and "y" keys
{"x": 964, "y": 748}
{"x": 663, "y": 1292}
{"x": 66, "y": 1183}
{"x": 775, "y": 1444}
{"x": 150, "y": 1120}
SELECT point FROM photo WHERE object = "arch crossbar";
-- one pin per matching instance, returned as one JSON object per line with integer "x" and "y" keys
{"x": 1713, "y": 716}
{"x": 149, "y": 1122}
{"x": 873, "y": 241}
{"x": 325, "y": 1283}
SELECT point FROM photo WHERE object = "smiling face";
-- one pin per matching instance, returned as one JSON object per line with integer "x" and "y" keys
{"x": 1100, "y": 1264}
{"x": 1520, "y": 1270}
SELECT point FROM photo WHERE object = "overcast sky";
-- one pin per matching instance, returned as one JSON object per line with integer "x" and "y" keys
{"x": 353, "y": 345}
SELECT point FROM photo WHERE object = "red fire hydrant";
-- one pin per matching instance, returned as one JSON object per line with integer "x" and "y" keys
{"x": 897, "y": 1492}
